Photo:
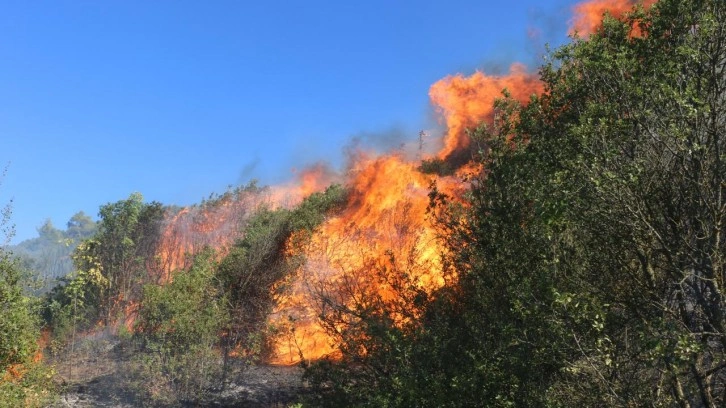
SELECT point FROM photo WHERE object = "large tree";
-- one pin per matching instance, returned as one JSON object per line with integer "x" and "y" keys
{"x": 111, "y": 266}
{"x": 128, "y": 232}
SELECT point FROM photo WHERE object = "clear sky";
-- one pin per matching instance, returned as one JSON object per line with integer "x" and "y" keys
{"x": 180, "y": 99}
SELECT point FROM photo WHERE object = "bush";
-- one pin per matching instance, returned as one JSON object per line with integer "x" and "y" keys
{"x": 24, "y": 380}
{"x": 175, "y": 335}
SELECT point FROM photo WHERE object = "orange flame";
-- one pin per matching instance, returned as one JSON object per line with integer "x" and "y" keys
{"x": 383, "y": 229}
{"x": 466, "y": 101}
{"x": 216, "y": 224}
{"x": 15, "y": 372}
{"x": 219, "y": 223}
{"x": 383, "y": 234}
{"x": 311, "y": 179}
{"x": 382, "y": 245}
{"x": 588, "y": 15}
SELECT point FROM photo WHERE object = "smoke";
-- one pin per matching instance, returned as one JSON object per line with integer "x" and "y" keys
{"x": 408, "y": 145}
{"x": 545, "y": 27}
{"x": 385, "y": 141}
{"x": 248, "y": 171}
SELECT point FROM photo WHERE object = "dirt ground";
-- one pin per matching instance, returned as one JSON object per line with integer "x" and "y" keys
{"x": 93, "y": 377}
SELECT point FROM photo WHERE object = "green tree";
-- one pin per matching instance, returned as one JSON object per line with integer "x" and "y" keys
{"x": 48, "y": 256}
{"x": 593, "y": 247}
{"x": 128, "y": 232}
{"x": 111, "y": 267}
{"x": 19, "y": 334}
{"x": 628, "y": 150}
{"x": 80, "y": 227}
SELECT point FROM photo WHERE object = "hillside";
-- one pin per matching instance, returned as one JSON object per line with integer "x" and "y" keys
{"x": 560, "y": 245}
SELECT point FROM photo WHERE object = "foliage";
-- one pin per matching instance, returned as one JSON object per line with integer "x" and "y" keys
{"x": 48, "y": 256}
{"x": 175, "y": 333}
{"x": 75, "y": 302}
{"x": 635, "y": 204}
{"x": 248, "y": 274}
{"x": 312, "y": 211}
{"x": 18, "y": 326}
{"x": 590, "y": 256}
{"x": 24, "y": 380}
{"x": 255, "y": 267}
{"x": 127, "y": 236}
{"x": 110, "y": 267}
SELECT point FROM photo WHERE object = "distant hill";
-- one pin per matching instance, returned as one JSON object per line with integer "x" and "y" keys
{"x": 48, "y": 256}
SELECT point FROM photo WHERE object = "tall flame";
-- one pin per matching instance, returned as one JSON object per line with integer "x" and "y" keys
{"x": 311, "y": 179}
{"x": 588, "y": 15}
{"x": 216, "y": 224}
{"x": 383, "y": 232}
{"x": 465, "y": 101}
{"x": 383, "y": 229}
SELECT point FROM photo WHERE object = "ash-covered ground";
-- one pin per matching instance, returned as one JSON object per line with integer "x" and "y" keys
{"x": 95, "y": 375}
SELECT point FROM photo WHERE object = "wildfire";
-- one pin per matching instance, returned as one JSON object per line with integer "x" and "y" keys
{"x": 216, "y": 224}
{"x": 382, "y": 231}
{"x": 310, "y": 180}
{"x": 15, "y": 372}
{"x": 588, "y": 15}
{"x": 382, "y": 245}
{"x": 465, "y": 101}
{"x": 219, "y": 223}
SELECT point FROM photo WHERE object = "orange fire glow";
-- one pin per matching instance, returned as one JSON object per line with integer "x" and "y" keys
{"x": 382, "y": 230}
{"x": 15, "y": 372}
{"x": 218, "y": 223}
{"x": 310, "y": 180}
{"x": 465, "y": 101}
{"x": 588, "y": 15}
{"x": 381, "y": 246}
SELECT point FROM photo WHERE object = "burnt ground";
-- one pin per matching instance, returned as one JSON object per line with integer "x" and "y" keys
{"x": 95, "y": 377}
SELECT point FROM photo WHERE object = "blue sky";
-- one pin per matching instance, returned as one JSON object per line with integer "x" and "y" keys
{"x": 180, "y": 99}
